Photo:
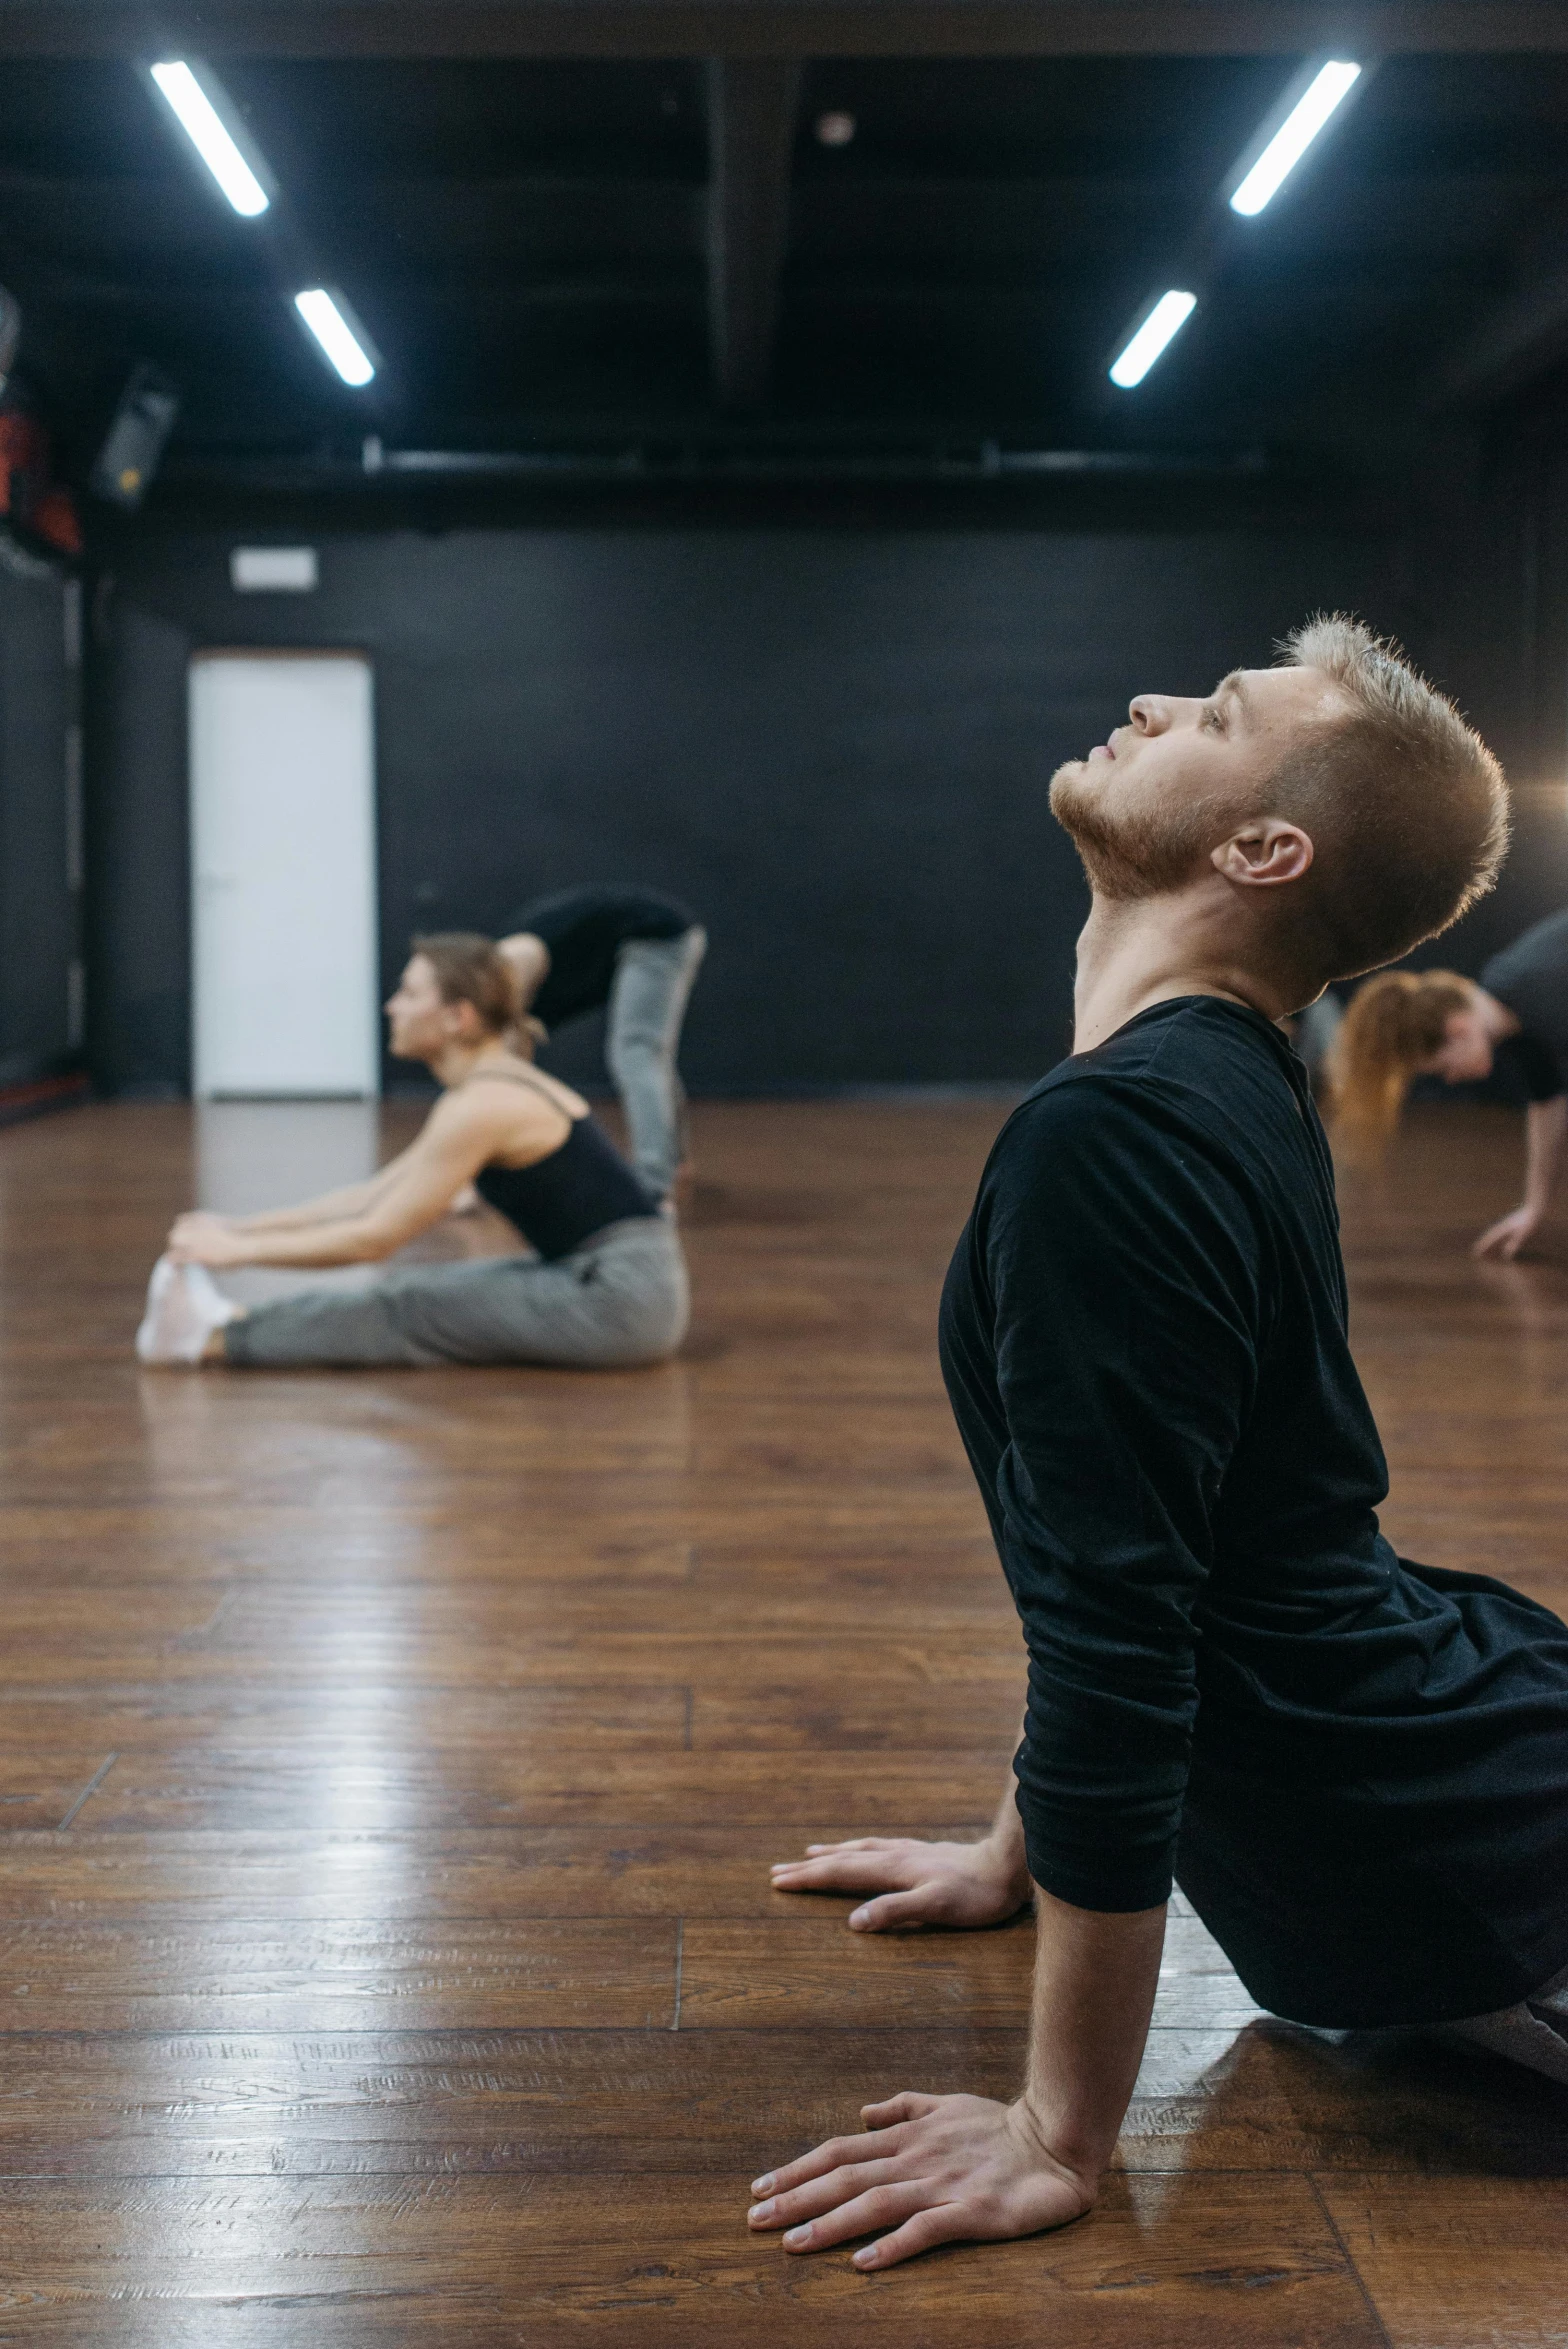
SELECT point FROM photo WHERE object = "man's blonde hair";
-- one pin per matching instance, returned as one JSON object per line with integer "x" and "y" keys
{"x": 1406, "y": 806}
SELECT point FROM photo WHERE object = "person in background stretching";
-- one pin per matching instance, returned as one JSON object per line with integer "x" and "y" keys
{"x": 604, "y": 1289}
{"x": 1408, "y": 1024}
{"x": 639, "y": 954}
{"x": 1355, "y": 1767}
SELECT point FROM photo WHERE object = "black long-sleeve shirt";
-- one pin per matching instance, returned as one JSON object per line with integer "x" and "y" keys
{"x": 585, "y": 930}
{"x": 1356, "y": 1768}
{"x": 1531, "y": 978}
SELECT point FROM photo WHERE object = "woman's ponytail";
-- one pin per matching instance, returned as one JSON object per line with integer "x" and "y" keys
{"x": 1395, "y": 1023}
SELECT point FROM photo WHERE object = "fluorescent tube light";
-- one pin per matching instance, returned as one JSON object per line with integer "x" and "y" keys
{"x": 1294, "y": 136}
{"x": 336, "y": 337}
{"x": 199, "y": 120}
{"x": 1169, "y": 315}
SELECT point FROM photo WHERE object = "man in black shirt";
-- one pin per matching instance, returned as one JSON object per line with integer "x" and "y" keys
{"x": 584, "y": 949}
{"x": 1356, "y": 1768}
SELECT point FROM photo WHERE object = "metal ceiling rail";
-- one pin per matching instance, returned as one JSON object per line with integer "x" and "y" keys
{"x": 693, "y": 460}
{"x": 775, "y": 28}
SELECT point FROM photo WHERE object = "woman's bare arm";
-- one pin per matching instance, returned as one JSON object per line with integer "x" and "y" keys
{"x": 350, "y": 1200}
{"x": 1545, "y": 1128}
{"x": 530, "y": 960}
{"x": 463, "y": 1132}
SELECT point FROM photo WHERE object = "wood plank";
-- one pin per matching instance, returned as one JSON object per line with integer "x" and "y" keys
{"x": 1191, "y": 2263}
{"x": 165, "y": 1542}
{"x": 159, "y": 1716}
{"x": 725, "y": 2103}
{"x": 367, "y": 1873}
{"x": 795, "y": 1975}
{"x": 252, "y": 1974}
{"x": 551, "y": 1656}
{"x": 1453, "y": 2262}
{"x": 43, "y": 1787}
{"x": 861, "y": 1713}
{"x": 333, "y": 1780}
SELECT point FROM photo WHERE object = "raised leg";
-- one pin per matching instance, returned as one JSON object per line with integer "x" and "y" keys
{"x": 653, "y": 983}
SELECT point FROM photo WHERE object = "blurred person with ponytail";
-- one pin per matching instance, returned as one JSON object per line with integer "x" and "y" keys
{"x": 1408, "y": 1024}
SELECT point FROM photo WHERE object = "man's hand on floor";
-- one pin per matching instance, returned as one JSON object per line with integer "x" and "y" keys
{"x": 933, "y": 2169}
{"x": 960, "y": 1885}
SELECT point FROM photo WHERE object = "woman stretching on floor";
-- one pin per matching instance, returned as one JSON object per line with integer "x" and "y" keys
{"x": 1407, "y": 1024}
{"x": 605, "y": 1288}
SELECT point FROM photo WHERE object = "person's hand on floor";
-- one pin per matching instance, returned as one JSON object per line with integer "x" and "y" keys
{"x": 932, "y": 2169}
{"x": 1505, "y": 1238}
{"x": 202, "y": 1238}
{"x": 960, "y": 1885}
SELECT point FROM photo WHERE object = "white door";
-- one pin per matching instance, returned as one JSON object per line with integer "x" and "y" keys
{"x": 283, "y": 861}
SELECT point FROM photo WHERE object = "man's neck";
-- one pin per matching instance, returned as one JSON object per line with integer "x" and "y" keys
{"x": 1132, "y": 956}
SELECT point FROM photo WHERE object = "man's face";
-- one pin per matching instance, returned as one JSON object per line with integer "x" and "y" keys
{"x": 1145, "y": 807}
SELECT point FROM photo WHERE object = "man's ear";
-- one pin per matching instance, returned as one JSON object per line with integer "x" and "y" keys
{"x": 1268, "y": 851}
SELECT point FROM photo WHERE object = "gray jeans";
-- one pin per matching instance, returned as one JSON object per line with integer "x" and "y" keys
{"x": 621, "y": 1299}
{"x": 653, "y": 980}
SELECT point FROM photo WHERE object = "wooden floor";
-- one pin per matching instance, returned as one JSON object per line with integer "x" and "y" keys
{"x": 391, "y": 1764}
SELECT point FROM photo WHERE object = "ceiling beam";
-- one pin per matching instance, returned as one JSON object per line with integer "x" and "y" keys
{"x": 774, "y": 28}
{"x": 752, "y": 104}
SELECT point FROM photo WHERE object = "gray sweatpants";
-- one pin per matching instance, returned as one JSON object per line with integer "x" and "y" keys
{"x": 653, "y": 980}
{"x": 619, "y": 1300}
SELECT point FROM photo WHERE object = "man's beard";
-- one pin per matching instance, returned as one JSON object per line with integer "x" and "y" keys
{"x": 1131, "y": 857}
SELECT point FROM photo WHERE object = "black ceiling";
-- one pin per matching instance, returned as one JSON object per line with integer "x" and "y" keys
{"x": 573, "y": 252}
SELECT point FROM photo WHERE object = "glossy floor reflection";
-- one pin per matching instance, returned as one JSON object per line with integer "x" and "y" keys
{"x": 389, "y": 1768}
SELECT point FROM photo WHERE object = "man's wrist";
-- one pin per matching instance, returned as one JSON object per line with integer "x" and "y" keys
{"x": 1007, "y": 1857}
{"x": 1077, "y": 2158}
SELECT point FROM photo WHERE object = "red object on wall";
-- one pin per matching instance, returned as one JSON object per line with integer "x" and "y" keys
{"x": 54, "y": 519}
{"x": 27, "y": 495}
{"x": 24, "y": 463}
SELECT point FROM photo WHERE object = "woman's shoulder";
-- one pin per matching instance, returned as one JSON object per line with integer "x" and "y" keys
{"x": 511, "y": 1091}
{"x": 524, "y": 1078}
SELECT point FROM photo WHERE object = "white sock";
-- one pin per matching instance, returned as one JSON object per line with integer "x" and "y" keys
{"x": 184, "y": 1307}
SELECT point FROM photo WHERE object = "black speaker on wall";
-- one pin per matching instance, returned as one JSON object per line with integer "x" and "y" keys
{"x": 134, "y": 442}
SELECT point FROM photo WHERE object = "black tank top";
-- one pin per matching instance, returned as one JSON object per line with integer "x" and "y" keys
{"x": 562, "y": 1200}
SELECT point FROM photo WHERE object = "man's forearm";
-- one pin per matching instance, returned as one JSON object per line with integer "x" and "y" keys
{"x": 938, "y": 2169}
{"x": 1006, "y": 1836}
{"x": 1095, "y": 1977}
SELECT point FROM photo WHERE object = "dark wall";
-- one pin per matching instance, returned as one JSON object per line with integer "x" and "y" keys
{"x": 39, "y": 773}
{"x": 139, "y": 997}
{"x": 834, "y": 742}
